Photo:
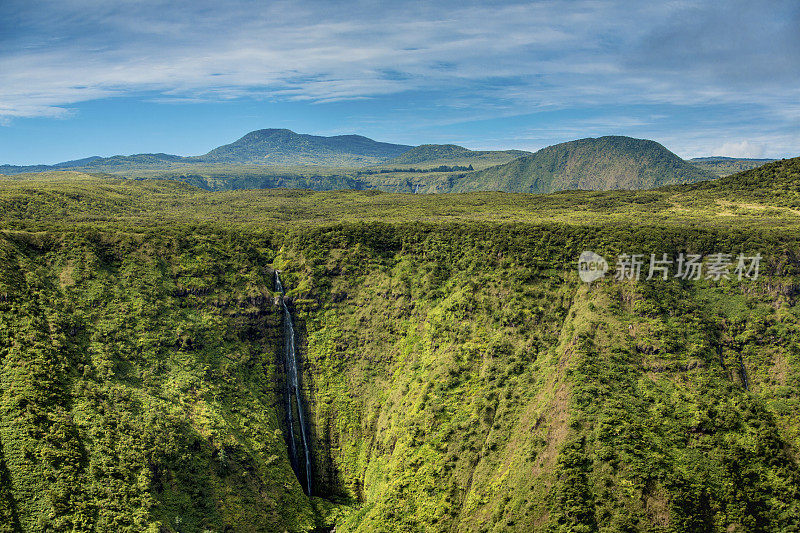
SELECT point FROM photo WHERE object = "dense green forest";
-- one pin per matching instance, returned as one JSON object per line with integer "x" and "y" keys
{"x": 457, "y": 373}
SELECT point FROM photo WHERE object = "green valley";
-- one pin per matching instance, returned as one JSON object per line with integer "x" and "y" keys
{"x": 399, "y": 267}
{"x": 457, "y": 375}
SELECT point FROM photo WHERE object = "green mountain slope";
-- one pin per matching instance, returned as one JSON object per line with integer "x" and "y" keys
{"x": 725, "y": 166}
{"x": 272, "y": 158}
{"x": 285, "y": 147}
{"x": 432, "y": 155}
{"x": 602, "y": 163}
{"x": 458, "y": 374}
{"x": 776, "y": 178}
{"x": 428, "y": 152}
{"x": 114, "y": 164}
{"x": 260, "y": 147}
{"x": 124, "y": 162}
{"x": 777, "y": 183}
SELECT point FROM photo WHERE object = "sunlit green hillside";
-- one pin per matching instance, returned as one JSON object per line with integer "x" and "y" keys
{"x": 595, "y": 164}
{"x": 457, "y": 374}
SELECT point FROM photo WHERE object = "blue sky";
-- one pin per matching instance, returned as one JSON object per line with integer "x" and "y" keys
{"x": 104, "y": 77}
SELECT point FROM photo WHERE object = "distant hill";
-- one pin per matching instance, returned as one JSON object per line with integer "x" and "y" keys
{"x": 113, "y": 164}
{"x": 430, "y": 152}
{"x": 125, "y": 162}
{"x": 278, "y": 147}
{"x": 725, "y": 166}
{"x": 432, "y": 155}
{"x": 14, "y": 169}
{"x": 777, "y": 182}
{"x": 602, "y": 163}
{"x": 78, "y": 162}
{"x": 776, "y": 175}
{"x": 285, "y": 147}
{"x": 272, "y": 158}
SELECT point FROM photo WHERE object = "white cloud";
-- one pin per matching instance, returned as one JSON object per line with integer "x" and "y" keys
{"x": 503, "y": 58}
{"x": 741, "y": 149}
{"x": 555, "y": 53}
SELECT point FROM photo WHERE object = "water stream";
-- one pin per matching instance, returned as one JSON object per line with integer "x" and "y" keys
{"x": 293, "y": 397}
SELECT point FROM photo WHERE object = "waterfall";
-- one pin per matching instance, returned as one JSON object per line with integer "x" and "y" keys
{"x": 293, "y": 391}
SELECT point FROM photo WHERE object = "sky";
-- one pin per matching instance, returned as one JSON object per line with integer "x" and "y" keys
{"x": 105, "y": 77}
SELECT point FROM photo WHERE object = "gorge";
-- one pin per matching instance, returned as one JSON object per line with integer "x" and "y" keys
{"x": 440, "y": 374}
{"x": 294, "y": 396}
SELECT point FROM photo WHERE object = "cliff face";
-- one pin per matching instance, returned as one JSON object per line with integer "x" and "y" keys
{"x": 464, "y": 379}
{"x": 139, "y": 386}
{"x": 457, "y": 377}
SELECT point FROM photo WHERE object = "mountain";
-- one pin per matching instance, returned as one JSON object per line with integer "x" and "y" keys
{"x": 15, "y": 169}
{"x": 272, "y": 158}
{"x": 432, "y": 155}
{"x": 602, "y": 163}
{"x": 431, "y": 152}
{"x": 774, "y": 177}
{"x": 285, "y": 147}
{"x": 136, "y": 161}
{"x": 114, "y": 164}
{"x": 270, "y": 147}
{"x": 725, "y": 166}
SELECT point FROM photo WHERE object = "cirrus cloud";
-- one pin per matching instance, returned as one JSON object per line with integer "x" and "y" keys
{"x": 505, "y": 58}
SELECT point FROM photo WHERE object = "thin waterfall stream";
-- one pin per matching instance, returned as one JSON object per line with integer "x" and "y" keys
{"x": 293, "y": 397}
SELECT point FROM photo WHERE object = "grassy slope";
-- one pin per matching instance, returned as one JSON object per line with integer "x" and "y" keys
{"x": 285, "y": 147}
{"x": 223, "y": 177}
{"x": 594, "y": 164}
{"x": 461, "y": 377}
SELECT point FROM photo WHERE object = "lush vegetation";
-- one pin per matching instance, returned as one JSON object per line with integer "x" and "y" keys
{"x": 766, "y": 197}
{"x": 440, "y": 168}
{"x": 596, "y": 164}
{"x": 458, "y": 375}
{"x": 138, "y": 386}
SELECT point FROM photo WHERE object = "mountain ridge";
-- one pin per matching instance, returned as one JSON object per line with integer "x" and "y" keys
{"x": 284, "y": 146}
{"x": 593, "y": 163}
{"x": 274, "y": 157}
{"x": 271, "y": 146}
{"x": 430, "y": 155}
